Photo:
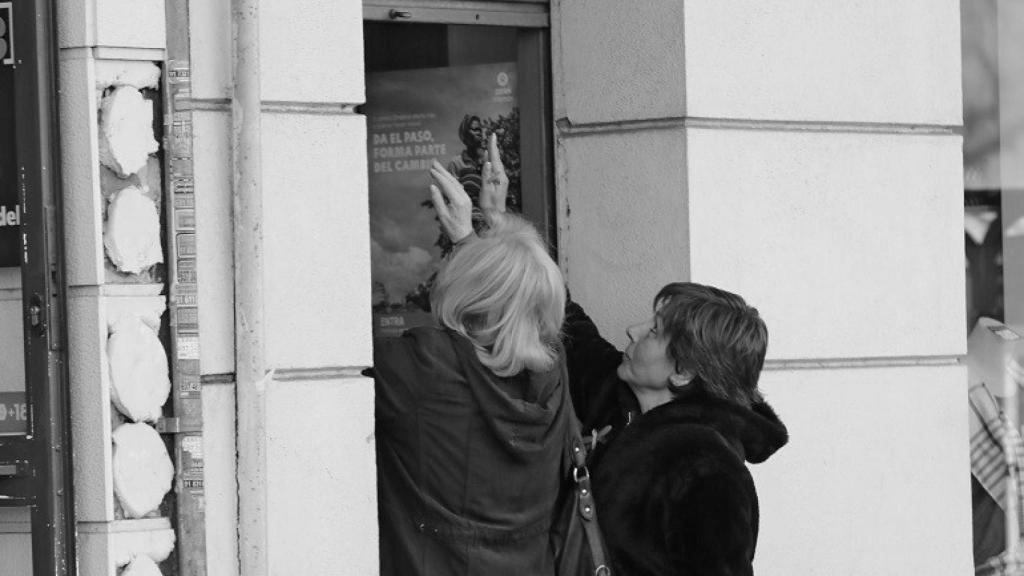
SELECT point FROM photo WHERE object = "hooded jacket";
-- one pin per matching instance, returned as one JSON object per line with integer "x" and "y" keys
{"x": 673, "y": 492}
{"x": 469, "y": 463}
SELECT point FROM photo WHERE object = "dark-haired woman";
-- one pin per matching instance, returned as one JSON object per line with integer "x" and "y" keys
{"x": 673, "y": 492}
{"x": 468, "y": 165}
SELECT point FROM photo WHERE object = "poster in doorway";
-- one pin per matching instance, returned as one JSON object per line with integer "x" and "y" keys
{"x": 414, "y": 117}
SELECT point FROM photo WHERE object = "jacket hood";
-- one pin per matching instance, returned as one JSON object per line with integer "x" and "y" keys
{"x": 755, "y": 432}
{"x": 524, "y": 412}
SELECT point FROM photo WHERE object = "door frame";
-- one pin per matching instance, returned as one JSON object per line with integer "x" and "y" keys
{"x": 36, "y": 469}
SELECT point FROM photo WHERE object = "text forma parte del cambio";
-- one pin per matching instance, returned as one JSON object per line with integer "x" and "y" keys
{"x": 405, "y": 151}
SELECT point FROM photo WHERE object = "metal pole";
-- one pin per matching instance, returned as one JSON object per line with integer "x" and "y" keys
{"x": 250, "y": 360}
{"x": 186, "y": 425}
{"x": 53, "y": 523}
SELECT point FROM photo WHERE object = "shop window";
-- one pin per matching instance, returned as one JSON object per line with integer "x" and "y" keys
{"x": 993, "y": 89}
{"x": 439, "y": 81}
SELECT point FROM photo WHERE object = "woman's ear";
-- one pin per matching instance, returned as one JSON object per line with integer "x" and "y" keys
{"x": 680, "y": 379}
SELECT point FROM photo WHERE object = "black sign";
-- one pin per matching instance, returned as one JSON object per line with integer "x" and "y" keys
{"x": 10, "y": 211}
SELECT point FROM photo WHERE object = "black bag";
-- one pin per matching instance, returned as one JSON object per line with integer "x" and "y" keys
{"x": 576, "y": 536}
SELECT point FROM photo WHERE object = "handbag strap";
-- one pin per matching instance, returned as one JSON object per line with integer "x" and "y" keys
{"x": 585, "y": 506}
{"x": 587, "y": 509}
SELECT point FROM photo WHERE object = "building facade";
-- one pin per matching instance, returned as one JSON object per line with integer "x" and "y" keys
{"x": 805, "y": 155}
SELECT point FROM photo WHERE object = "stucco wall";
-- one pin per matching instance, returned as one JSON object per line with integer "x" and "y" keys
{"x": 875, "y": 475}
{"x": 803, "y": 155}
{"x": 307, "y": 482}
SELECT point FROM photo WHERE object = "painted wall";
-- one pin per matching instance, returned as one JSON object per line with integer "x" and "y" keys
{"x": 305, "y": 474}
{"x": 803, "y": 155}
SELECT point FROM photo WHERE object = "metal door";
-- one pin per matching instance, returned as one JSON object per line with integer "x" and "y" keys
{"x": 35, "y": 450}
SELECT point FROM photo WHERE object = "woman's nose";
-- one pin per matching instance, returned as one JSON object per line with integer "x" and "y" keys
{"x": 634, "y": 332}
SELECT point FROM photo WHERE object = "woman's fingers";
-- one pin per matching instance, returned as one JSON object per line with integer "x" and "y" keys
{"x": 439, "y": 203}
{"x": 487, "y": 199}
{"x": 449, "y": 185}
{"x": 495, "y": 183}
{"x": 442, "y": 174}
{"x": 493, "y": 155}
{"x": 455, "y": 215}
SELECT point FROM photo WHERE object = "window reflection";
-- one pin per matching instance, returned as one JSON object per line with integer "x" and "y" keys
{"x": 993, "y": 94}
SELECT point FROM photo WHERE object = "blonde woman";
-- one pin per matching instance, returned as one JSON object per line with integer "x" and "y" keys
{"x": 471, "y": 422}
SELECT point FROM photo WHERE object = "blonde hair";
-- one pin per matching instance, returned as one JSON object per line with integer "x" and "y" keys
{"x": 505, "y": 293}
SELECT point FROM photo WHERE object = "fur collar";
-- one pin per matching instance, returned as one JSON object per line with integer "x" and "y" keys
{"x": 755, "y": 433}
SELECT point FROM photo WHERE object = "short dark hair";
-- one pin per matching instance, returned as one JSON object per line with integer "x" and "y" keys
{"x": 467, "y": 122}
{"x": 715, "y": 335}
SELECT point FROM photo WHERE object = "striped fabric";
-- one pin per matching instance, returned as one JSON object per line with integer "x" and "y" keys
{"x": 988, "y": 429}
{"x": 988, "y": 425}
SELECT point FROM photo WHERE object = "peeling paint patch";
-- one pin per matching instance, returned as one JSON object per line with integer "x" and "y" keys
{"x": 142, "y": 469}
{"x": 138, "y": 75}
{"x": 156, "y": 544}
{"x": 126, "y": 131}
{"x": 132, "y": 231}
{"x": 141, "y": 566}
{"x": 139, "y": 382}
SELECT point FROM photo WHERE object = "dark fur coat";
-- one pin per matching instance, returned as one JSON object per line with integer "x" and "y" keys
{"x": 673, "y": 491}
{"x": 674, "y": 496}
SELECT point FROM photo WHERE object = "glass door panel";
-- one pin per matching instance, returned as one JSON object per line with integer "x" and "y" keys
{"x": 437, "y": 91}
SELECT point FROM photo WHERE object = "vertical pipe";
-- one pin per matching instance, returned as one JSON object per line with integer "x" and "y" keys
{"x": 1010, "y": 23}
{"x": 250, "y": 364}
{"x": 1013, "y": 477}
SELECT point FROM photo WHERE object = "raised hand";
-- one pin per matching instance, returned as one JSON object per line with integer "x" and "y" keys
{"x": 453, "y": 205}
{"x": 494, "y": 192}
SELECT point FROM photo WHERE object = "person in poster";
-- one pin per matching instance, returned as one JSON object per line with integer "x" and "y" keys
{"x": 415, "y": 117}
{"x": 468, "y": 165}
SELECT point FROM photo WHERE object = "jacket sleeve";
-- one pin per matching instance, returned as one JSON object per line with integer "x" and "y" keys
{"x": 393, "y": 393}
{"x": 592, "y": 362}
{"x": 712, "y": 529}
